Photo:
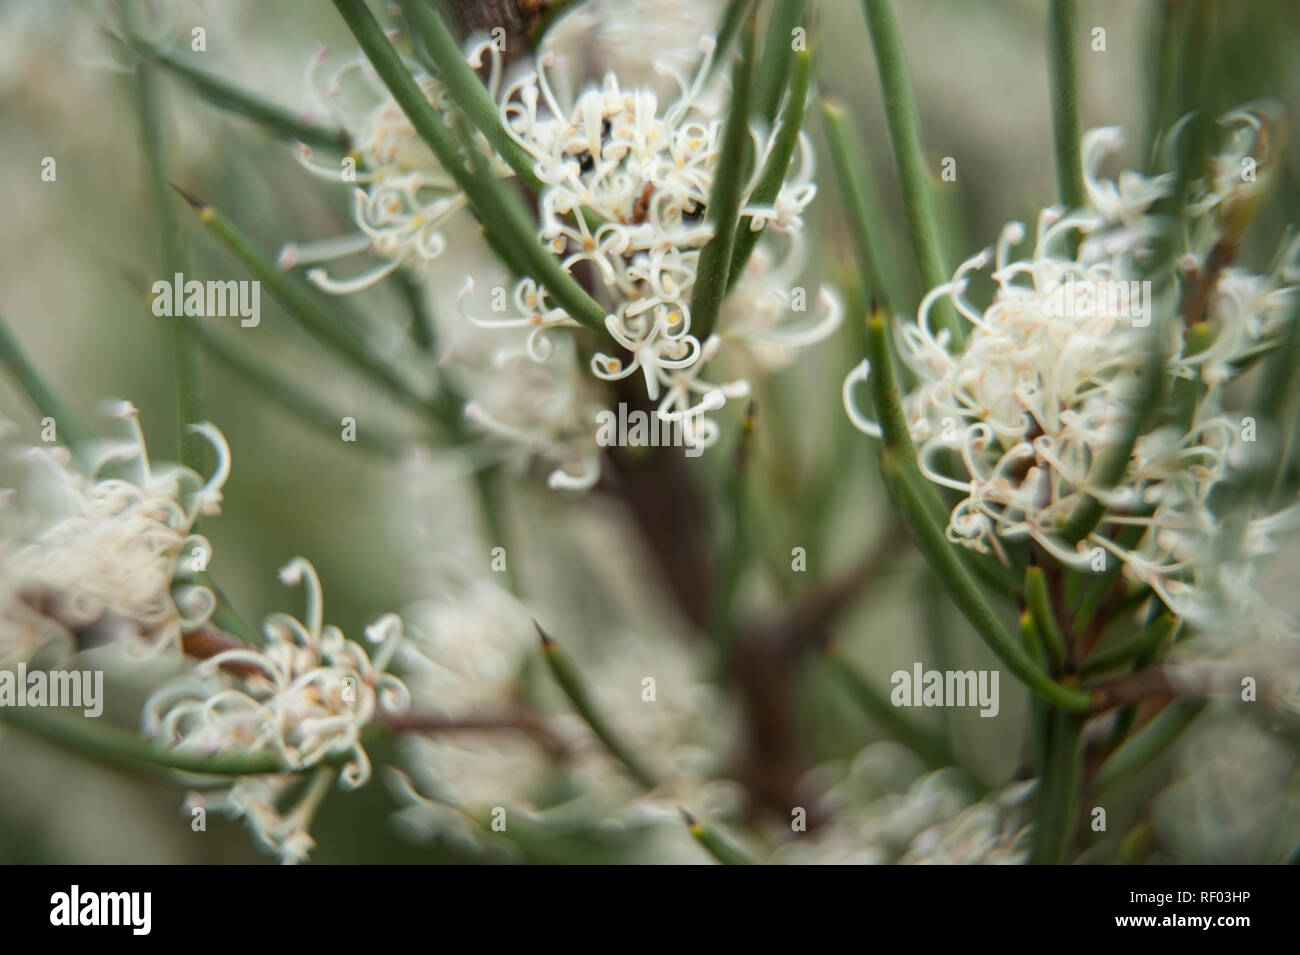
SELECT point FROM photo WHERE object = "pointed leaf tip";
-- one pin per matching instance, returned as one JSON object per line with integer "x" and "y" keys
{"x": 195, "y": 203}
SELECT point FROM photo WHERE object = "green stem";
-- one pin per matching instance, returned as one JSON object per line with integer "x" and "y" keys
{"x": 1065, "y": 101}
{"x": 725, "y": 197}
{"x": 1058, "y": 787}
{"x": 905, "y": 136}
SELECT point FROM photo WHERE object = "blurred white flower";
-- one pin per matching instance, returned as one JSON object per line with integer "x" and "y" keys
{"x": 537, "y": 407}
{"x": 634, "y": 39}
{"x": 403, "y": 198}
{"x": 98, "y": 560}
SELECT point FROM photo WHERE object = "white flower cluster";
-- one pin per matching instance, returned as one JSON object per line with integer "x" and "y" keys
{"x": 98, "y": 560}
{"x": 625, "y": 188}
{"x": 305, "y": 697}
{"x": 883, "y": 810}
{"x": 1017, "y": 419}
{"x": 404, "y": 198}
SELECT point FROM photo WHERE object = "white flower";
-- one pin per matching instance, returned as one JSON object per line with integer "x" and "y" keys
{"x": 537, "y": 407}
{"x": 100, "y": 563}
{"x": 404, "y": 198}
{"x": 1017, "y": 419}
{"x": 305, "y": 696}
{"x": 625, "y": 188}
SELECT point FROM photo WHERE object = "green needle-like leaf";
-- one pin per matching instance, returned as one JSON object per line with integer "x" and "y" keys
{"x": 777, "y": 165}
{"x": 1040, "y": 713}
{"x": 575, "y": 688}
{"x": 1146, "y": 744}
{"x": 928, "y": 744}
{"x": 121, "y": 748}
{"x": 725, "y": 197}
{"x": 1140, "y": 644}
{"x": 905, "y": 135}
{"x": 1040, "y": 609}
{"x": 219, "y": 93}
{"x": 728, "y": 29}
{"x": 778, "y": 52}
{"x": 186, "y": 366}
{"x": 295, "y": 398}
{"x": 878, "y": 272}
{"x": 68, "y": 427}
{"x": 298, "y": 302}
{"x": 1065, "y": 101}
{"x": 463, "y": 83}
{"x": 722, "y": 849}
